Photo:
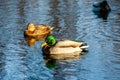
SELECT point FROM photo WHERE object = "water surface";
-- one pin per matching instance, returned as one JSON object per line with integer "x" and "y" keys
{"x": 71, "y": 19}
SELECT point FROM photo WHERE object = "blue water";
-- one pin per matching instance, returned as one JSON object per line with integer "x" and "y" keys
{"x": 71, "y": 19}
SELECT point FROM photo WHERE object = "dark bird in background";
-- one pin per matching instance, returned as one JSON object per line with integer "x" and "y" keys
{"x": 101, "y": 9}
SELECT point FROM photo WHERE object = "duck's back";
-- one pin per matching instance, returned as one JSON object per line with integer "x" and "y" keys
{"x": 68, "y": 43}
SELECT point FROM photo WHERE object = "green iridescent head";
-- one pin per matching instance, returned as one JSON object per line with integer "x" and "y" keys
{"x": 50, "y": 40}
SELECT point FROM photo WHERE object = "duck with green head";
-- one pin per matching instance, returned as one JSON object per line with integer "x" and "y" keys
{"x": 53, "y": 46}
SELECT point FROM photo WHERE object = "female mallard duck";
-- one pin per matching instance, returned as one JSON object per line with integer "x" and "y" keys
{"x": 36, "y": 32}
{"x": 101, "y": 9}
{"x": 52, "y": 46}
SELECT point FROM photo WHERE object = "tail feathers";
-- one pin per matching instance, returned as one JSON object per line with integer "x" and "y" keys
{"x": 84, "y": 47}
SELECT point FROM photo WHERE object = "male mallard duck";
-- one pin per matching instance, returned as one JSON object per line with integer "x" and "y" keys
{"x": 69, "y": 47}
{"x": 101, "y": 9}
{"x": 36, "y": 32}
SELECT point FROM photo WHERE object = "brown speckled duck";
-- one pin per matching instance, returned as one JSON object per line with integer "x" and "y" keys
{"x": 36, "y": 32}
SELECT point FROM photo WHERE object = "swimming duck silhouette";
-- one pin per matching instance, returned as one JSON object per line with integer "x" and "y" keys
{"x": 101, "y": 9}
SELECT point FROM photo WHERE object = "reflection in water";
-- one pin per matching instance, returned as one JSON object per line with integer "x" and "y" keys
{"x": 65, "y": 70}
{"x": 2, "y": 64}
{"x": 72, "y": 19}
{"x": 102, "y": 15}
{"x": 64, "y": 18}
{"x": 21, "y": 12}
{"x": 21, "y": 7}
{"x": 51, "y": 63}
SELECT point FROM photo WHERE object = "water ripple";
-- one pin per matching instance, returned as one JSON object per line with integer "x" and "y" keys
{"x": 71, "y": 19}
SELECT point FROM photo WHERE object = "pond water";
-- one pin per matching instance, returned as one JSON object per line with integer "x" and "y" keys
{"x": 71, "y": 19}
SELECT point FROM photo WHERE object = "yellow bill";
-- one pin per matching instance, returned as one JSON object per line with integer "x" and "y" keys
{"x": 43, "y": 44}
